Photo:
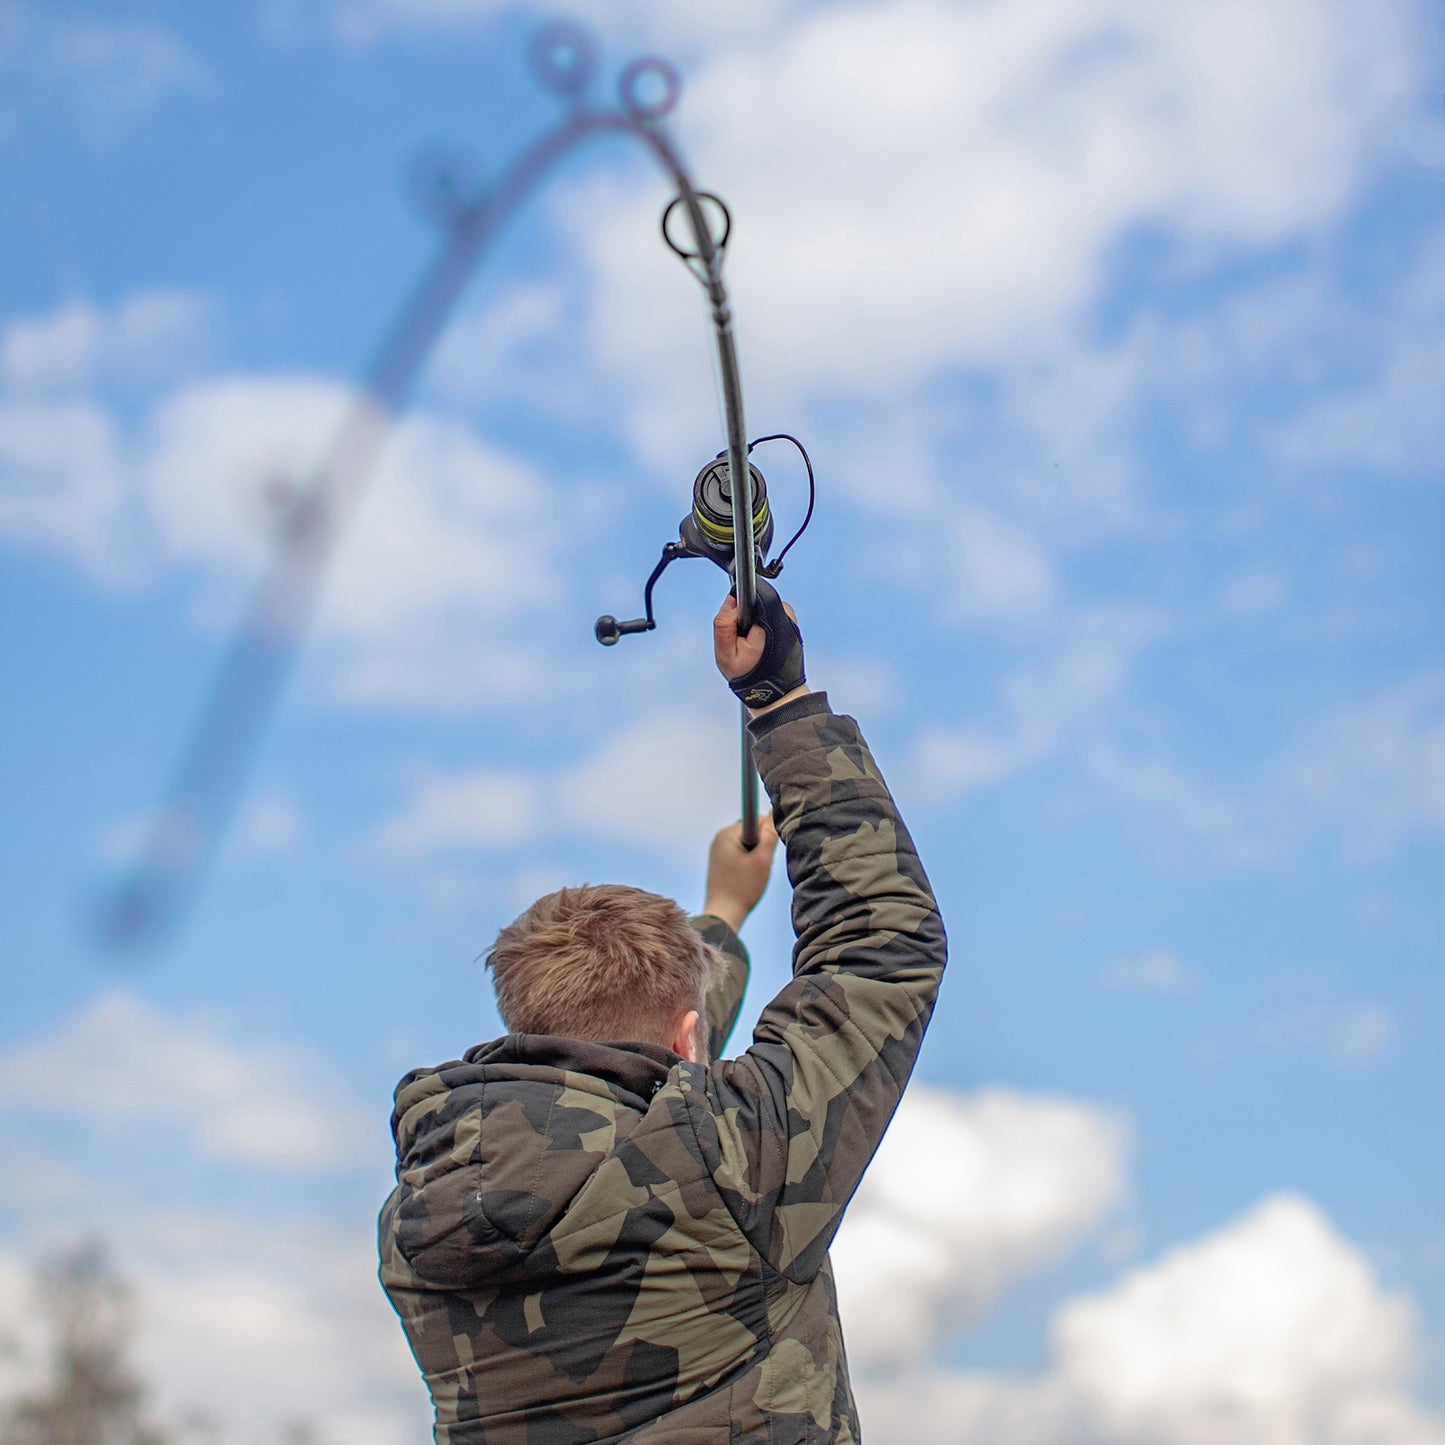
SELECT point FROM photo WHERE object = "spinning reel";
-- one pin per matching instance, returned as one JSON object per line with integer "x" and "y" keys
{"x": 707, "y": 531}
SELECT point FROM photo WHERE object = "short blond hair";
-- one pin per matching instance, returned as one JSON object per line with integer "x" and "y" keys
{"x": 601, "y": 962}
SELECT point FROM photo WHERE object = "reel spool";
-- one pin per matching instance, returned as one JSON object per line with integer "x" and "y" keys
{"x": 708, "y": 530}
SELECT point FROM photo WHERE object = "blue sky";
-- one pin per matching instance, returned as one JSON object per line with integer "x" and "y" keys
{"x": 1115, "y": 336}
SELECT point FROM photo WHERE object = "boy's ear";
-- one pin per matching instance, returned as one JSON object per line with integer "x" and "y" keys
{"x": 684, "y": 1036}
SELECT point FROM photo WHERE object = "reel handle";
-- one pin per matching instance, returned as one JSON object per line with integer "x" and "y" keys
{"x": 607, "y": 629}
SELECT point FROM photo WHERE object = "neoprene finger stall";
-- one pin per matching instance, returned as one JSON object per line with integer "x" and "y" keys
{"x": 780, "y": 669}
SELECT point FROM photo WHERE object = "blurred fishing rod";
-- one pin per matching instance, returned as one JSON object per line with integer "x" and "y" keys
{"x": 148, "y": 901}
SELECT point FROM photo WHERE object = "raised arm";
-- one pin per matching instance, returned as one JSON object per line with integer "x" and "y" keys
{"x": 736, "y": 880}
{"x": 799, "y": 1115}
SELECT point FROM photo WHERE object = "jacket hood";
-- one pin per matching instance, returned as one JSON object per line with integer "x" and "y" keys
{"x": 492, "y": 1148}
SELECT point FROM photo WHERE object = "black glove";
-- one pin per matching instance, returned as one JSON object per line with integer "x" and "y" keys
{"x": 780, "y": 669}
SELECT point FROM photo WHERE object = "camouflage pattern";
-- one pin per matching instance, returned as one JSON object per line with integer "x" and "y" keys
{"x": 602, "y": 1242}
{"x": 725, "y": 998}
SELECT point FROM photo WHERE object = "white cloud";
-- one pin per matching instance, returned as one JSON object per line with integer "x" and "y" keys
{"x": 270, "y": 824}
{"x": 450, "y": 539}
{"x": 1272, "y": 1329}
{"x": 122, "y": 842}
{"x": 364, "y": 22}
{"x": 121, "y": 1064}
{"x": 517, "y": 348}
{"x": 865, "y": 685}
{"x": 222, "y": 460}
{"x": 62, "y": 482}
{"x": 452, "y": 515}
{"x": 1062, "y": 703}
{"x": 1249, "y": 594}
{"x": 664, "y": 782}
{"x": 1155, "y": 972}
{"x": 930, "y": 196}
{"x": 1008, "y": 148}
{"x": 955, "y": 761}
{"x": 1378, "y": 405}
{"x": 527, "y": 885}
{"x": 1368, "y": 774}
{"x": 966, "y": 1196}
{"x": 1364, "y": 1034}
{"x": 1241, "y": 832}
{"x": 475, "y": 809}
{"x": 1352, "y": 1036}
{"x": 1393, "y": 425}
{"x": 143, "y": 338}
{"x": 1263, "y": 1331}
{"x": 1376, "y": 769}
{"x": 1002, "y": 572}
{"x": 66, "y": 465}
{"x": 1343, "y": 361}
{"x": 87, "y": 70}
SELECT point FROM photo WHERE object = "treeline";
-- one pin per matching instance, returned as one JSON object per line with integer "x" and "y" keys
{"x": 86, "y": 1390}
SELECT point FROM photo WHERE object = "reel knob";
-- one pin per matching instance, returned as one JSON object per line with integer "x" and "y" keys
{"x": 607, "y": 629}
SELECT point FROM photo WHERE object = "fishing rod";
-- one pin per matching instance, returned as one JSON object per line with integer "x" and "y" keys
{"x": 215, "y": 760}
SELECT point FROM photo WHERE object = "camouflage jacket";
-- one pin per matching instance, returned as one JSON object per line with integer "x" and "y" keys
{"x": 604, "y": 1243}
